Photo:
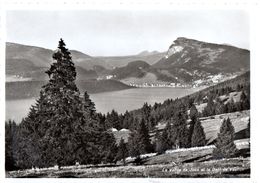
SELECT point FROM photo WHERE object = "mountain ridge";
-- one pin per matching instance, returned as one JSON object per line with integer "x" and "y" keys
{"x": 187, "y": 61}
{"x": 24, "y": 60}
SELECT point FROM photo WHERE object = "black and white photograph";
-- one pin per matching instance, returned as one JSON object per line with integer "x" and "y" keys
{"x": 127, "y": 93}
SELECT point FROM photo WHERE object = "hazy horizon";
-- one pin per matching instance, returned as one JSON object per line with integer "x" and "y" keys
{"x": 119, "y": 33}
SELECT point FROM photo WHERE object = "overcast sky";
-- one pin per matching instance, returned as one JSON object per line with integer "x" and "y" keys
{"x": 107, "y": 32}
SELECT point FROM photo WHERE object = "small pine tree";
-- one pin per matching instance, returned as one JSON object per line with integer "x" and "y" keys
{"x": 180, "y": 132}
{"x": 127, "y": 120}
{"x": 248, "y": 129}
{"x": 122, "y": 151}
{"x": 219, "y": 106}
{"x": 198, "y": 135}
{"x": 231, "y": 105}
{"x": 112, "y": 120}
{"x": 244, "y": 101}
{"x": 101, "y": 118}
{"x": 225, "y": 146}
{"x": 193, "y": 113}
{"x": 193, "y": 117}
{"x": 89, "y": 106}
{"x": 108, "y": 147}
{"x": 209, "y": 110}
{"x": 139, "y": 141}
{"x": 144, "y": 138}
{"x": 133, "y": 144}
{"x": 243, "y": 96}
{"x": 163, "y": 141}
{"x": 11, "y": 131}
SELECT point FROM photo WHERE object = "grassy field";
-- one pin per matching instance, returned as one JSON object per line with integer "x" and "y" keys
{"x": 237, "y": 167}
{"x": 212, "y": 124}
{"x": 191, "y": 162}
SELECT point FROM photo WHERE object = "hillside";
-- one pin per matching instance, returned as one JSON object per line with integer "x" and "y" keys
{"x": 225, "y": 91}
{"x": 191, "y": 60}
{"x": 121, "y": 61}
{"x": 226, "y": 99}
{"x": 212, "y": 124}
{"x": 242, "y": 80}
{"x": 31, "y": 62}
{"x": 135, "y": 69}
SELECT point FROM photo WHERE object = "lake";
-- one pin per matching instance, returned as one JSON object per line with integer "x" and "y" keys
{"x": 119, "y": 100}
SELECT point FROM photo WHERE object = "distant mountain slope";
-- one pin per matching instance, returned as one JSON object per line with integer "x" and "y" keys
{"x": 139, "y": 72}
{"x": 88, "y": 62}
{"x": 31, "y": 61}
{"x": 242, "y": 80}
{"x": 121, "y": 61}
{"x": 187, "y": 61}
{"x": 146, "y": 53}
{"x": 190, "y": 59}
{"x": 133, "y": 69}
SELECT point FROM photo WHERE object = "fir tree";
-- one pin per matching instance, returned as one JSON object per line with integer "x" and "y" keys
{"x": 231, "y": 105}
{"x": 248, "y": 129}
{"x": 127, "y": 120}
{"x": 133, "y": 144}
{"x": 225, "y": 147}
{"x": 243, "y": 96}
{"x": 163, "y": 140}
{"x": 101, "y": 118}
{"x": 219, "y": 106}
{"x": 244, "y": 101}
{"x": 209, "y": 110}
{"x": 31, "y": 133}
{"x": 56, "y": 130}
{"x": 112, "y": 120}
{"x": 89, "y": 106}
{"x": 146, "y": 115}
{"x": 180, "y": 133}
{"x": 139, "y": 140}
{"x": 145, "y": 145}
{"x": 122, "y": 151}
{"x": 193, "y": 113}
{"x": 108, "y": 148}
{"x": 198, "y": 135}
{"x": 11, "y": 131}
{"x": 194, "y": 118}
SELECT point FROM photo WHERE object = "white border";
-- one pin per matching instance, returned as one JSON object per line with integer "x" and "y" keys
{"x": 251, "y": 6}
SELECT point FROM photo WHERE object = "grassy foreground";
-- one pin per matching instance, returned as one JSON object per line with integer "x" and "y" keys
{"x": 234, "y": 167}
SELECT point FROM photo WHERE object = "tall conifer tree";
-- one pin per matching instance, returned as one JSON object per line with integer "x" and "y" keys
{"x": 60, "y": 128}
{"x": 180, "y": 133}
{"x": 225, "y": 147}
{"x": 198, "y": 136}
{"x": 122, "y": 151}
{"x": 193, "y": 118}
